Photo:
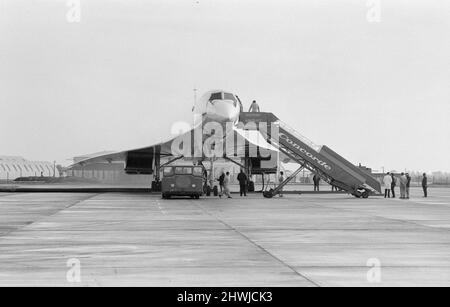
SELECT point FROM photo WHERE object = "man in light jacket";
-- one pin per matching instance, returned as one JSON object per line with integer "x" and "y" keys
{"x": 387, "y": 180}
{"x": 226, "y": 185}
{"x": 403, "y": 182}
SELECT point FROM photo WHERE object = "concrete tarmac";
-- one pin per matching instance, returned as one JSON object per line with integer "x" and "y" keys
{"x": 126, "y": 239}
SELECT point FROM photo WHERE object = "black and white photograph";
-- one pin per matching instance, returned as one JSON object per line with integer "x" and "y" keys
{"x": 224, "y": 150}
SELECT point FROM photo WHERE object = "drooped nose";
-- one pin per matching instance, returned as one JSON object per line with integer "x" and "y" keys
{"x": 224, "y": 110}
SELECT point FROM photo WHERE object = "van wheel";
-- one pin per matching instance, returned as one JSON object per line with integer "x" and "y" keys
{"x": 197, "y": 196}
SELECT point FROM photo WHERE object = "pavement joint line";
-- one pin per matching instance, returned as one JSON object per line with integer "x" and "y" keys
{"x": 258, "y": 246}
{"x": 47, "y": 216}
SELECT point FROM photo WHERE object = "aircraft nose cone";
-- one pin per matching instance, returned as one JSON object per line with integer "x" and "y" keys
{"x": 225, "y": 110}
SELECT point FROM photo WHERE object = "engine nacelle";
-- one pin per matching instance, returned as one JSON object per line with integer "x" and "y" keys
{"x": 139, "y": 163}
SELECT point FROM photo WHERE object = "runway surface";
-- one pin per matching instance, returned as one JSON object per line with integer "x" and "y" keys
{"x": 126, "y": 239}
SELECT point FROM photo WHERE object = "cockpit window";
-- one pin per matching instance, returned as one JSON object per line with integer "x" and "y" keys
{"x": 228, "y": 96}
{"x": 216, "y": 96}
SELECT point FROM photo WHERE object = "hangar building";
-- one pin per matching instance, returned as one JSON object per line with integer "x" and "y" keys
{"x": 13, "y": 167}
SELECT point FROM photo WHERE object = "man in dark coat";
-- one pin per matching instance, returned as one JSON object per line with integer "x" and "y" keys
{"x": 408, "y": 185}
{"x": 242, "y": 178}
{"x": 316, "y": 180}
{"x": 221, "y": 180}
{"x": 393, "y": 184}
{"x": 425, "y": 185}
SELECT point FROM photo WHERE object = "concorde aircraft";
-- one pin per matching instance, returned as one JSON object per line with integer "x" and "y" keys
{"x": 214, "y": 107}
{"x": 217, "y": 120}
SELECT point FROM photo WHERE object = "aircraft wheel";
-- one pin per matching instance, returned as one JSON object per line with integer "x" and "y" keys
{"x": 365, "y": 194}
{"x": 268, "y": 194}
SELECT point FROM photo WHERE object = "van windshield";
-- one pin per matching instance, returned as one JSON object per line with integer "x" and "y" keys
{"x": 168, "y": 171}
{"x": 183, "y": 170}
{"x": 198, "y": 171}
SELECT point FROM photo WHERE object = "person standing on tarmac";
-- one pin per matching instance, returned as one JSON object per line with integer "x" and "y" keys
{"x": 387, "y": 180}
{"x": 254, "y": 107}
{"x": 226, "y": 185}
{"x": 403, "y": 181}
{"x": 316, "y": 180}
{"x": 221, "y": 180}
{"x": 425, "y": 185}
{"x": 408, "y": 185}
{"x": 393, "y": 184}
{"x": 242, "y": 178}
{"x": 281, "y": 180}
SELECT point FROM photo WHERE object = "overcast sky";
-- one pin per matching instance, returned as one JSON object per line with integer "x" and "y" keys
{"x": 377, "y": 93}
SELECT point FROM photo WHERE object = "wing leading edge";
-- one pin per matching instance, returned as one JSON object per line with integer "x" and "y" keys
{"x": 142, "y": 160}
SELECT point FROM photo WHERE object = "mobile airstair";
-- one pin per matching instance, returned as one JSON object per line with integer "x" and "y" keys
{"x": 321, "y": 160}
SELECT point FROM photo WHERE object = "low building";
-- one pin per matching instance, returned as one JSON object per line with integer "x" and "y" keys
{"x": 13, "y": 167}
{"x": 106, "y": 173}
{"x": 114, "y": 174}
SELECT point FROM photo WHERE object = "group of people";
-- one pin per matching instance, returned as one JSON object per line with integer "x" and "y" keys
{"x": 224, "y": 184}
{"x": 225, "y": 179}
{"x": 390, "y": 181}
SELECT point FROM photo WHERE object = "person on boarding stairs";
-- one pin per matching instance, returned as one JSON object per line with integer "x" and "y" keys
{"x": 254, "y": 107}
